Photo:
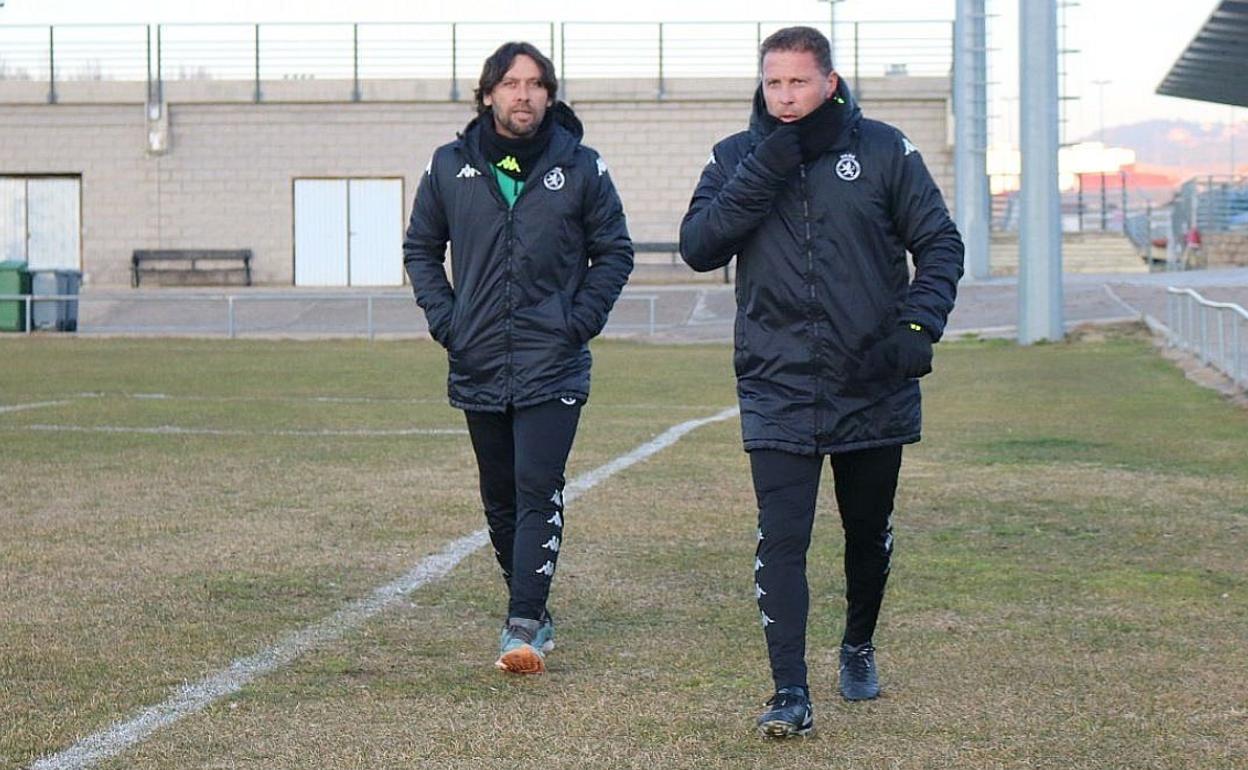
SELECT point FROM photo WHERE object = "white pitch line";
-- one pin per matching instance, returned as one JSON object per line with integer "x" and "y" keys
{"x": 174, "y": 430}
{"x": 192, "y": 698}
{"x": 343, "y": 400}
{"x": 36, "y": 405}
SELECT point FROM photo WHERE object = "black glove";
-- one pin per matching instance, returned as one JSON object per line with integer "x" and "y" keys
{"x": 905, "y": 354}
{"x": 781, "y": 151}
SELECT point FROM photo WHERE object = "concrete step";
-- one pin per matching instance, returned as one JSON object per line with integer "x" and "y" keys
{"x": 1081, "y": 253}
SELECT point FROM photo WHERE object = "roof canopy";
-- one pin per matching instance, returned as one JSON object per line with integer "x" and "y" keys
{"x": 1214, "y": 68}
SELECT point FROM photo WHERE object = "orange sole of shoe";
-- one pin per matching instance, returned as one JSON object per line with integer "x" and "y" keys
{"x": 522, "y": 660}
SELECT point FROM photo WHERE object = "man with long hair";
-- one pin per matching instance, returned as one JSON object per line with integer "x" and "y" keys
{"x": 539, "y": 254}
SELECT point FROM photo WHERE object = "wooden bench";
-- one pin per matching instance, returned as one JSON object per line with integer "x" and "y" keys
{"x": 188, "y": 262}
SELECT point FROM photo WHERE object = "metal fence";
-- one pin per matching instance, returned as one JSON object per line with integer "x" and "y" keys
{"x": 452, "y": 51}
{"x": 1214, "y": 332}
{"x": 265, "y": 314}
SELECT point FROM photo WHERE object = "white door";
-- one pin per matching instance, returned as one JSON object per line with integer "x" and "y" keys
{"x": 375, "y": 249}
{"x": 52, "y": 214}
{"x": 321, "y": 232}
{"x": 12, "y": 219}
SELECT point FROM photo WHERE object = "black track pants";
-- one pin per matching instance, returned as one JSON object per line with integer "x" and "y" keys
{"x": 787, "y": 486}
{"x": 521, "y": 456}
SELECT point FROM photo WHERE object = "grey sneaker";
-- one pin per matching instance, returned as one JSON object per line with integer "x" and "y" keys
{"x": 544, "y": 639}
{"x": 519, "y": 651}
{"x": 859, "y": 678}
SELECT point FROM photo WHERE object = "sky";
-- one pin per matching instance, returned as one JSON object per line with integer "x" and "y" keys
{"x": 1131, "y": 44}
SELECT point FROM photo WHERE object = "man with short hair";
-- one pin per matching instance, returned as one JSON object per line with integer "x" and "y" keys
{"x": 820, "y": 206}
{"x": 539, "y": 253}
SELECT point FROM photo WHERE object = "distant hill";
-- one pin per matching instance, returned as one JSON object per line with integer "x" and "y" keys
{"x": 1186, "y": 147}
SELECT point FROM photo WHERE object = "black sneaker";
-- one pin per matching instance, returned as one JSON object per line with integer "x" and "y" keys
{"x": 788, "y": 714}
{"x": 859, "y": 679}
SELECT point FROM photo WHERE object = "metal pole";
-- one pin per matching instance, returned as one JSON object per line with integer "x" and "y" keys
{"x": 51, "y": 65}
{"x": 758, "y": 44}
{"x": 29, "y": 314}
{"x": 150, "y": 87}
{"x": 1204, "y": 333}
{"x": 370, "y": 318}
{"x": 1122, "y": 183}
{"x": 454, "y": 62}
{"x": 256, "y": 94}
{"x": 230, "y": 315}
{"x": 1079, "y": 199}
{"x": 652, "y": 316}
{"x": 355, "y": 62}
{"x": 1040, "y": 234}
{"x": 563, "y": 59}
{"x": 661, "y": 90}
{"x": 1104, "y": 205}
{"x": 1239, "y": 354}
{"x": 973, "y": 202}
{"x": 857, "y": 82}
{"x": 160, "y": 71}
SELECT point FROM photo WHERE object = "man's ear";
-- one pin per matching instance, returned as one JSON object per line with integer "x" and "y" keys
{"x": 486, "y": 100}
{"x": 833, "y": 81}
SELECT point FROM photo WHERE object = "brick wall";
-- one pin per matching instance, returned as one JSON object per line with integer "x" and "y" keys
{"x": 226, "y": 181}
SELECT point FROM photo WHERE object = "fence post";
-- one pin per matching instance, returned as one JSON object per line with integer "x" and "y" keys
{"x": 370, "y": 318}
{"x": 355, "y": 62}
{"x": 1079, "y": 200}
{"x": 1122, "y": 182}
{"x": 230, "y": 315}
{"x": 1104, "y": 206}
{"x": 857, "y": 82}
{"x": 652, "y": 301}
{"x": 758, "y": 43}
{"x": 30, "y": 320}
{"x": 1239, "y": 353}
{"x": 1204, "y": 333}
{"x": 661, "y": 88}
{"x": 160, "y": 70}
{"x": 454, "y": 62}
{"x": 563, "y": 60}
{"x": 256, "y": 94}
{"x": 51, "y": 64}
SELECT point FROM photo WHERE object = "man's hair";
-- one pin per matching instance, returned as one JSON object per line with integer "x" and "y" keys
{"x": 798, "y": 39}
{"x": 500, "y": 61}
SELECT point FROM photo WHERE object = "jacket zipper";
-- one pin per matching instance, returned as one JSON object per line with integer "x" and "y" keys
{"x": 810, "y": 292}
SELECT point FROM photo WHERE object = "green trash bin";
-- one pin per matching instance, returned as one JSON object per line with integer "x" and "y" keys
{"x": 14, "y": 279}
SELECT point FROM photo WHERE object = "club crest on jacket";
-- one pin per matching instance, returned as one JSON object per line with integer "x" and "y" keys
{"x": 553, "y": 179}
{"x": 848, "y": 168}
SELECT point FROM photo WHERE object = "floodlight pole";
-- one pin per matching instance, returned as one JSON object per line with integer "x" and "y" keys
{"x": 832, "y": 28}
{"x": 973, "y": 203}
{"x": 1040, "y": 228}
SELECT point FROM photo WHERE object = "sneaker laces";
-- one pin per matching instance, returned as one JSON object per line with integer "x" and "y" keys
{"x": 859, "y": 661}
{"x": 784, "y": 699}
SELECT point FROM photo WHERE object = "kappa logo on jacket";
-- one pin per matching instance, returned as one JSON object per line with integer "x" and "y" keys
{"x": 907, "y": 147}
{"x": 848, "y": 168}
{"x": 467, "y": 172}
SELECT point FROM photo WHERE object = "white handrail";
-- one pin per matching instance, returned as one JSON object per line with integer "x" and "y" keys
{"x": 1190, "y": 317}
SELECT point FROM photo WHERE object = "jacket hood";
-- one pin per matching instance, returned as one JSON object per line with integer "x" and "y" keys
{"x": 762, "y": 123}
{"x": 562, "y": 142}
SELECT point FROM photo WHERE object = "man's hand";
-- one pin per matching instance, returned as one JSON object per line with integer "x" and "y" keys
{"x": 904, "y": 354}
{"x": 781, "y": 151}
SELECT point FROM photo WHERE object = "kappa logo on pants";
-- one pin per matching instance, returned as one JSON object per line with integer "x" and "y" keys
{"x": 547, "y": 569}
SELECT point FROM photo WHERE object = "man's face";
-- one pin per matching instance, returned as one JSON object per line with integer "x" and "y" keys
{"x": 519, "y": 100}
{"x": 793, "y": 86}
